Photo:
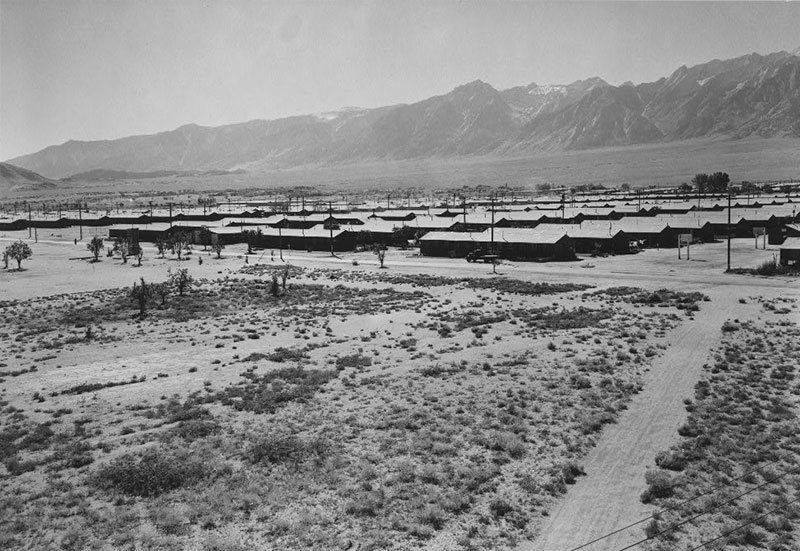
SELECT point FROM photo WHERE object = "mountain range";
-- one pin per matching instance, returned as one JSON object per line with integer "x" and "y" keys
{"x": 752, "y": 95}
{"x": 14, "y": 178}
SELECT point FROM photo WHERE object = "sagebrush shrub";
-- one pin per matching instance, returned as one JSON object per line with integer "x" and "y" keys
{"x": 151, "y": 472}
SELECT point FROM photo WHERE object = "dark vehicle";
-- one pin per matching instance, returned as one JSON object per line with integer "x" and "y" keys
{"x": 480, "y": 256}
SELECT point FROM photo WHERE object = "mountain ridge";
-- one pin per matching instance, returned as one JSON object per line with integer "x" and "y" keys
{"x": 751, "y": 95}
{"x": 15, "y": 178}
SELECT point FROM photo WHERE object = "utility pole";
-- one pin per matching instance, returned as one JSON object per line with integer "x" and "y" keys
{"x": 492, "y": 226}
{"x": 80, "y": 219}
{"x": 729, "y": 230}
{"x": 280, "y": 241}
{"x": 330, "y": 225}
{"x": 170, "y": 212}
{"x": 563, "y": 214}
{"x": 30, "y": 222}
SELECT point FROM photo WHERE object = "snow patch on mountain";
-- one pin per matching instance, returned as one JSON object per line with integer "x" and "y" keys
{"x": 546, "y": 89}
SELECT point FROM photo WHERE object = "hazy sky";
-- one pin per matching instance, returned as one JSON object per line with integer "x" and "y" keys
{"x": 87, "y": 69}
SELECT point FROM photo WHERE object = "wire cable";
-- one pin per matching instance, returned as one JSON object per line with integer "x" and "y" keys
{"x": 706, "y": 511}
{"x": 678, "y": 505}
{"x": 748, "y": 523}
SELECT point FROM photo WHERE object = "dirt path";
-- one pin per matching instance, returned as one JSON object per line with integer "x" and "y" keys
{"x": 607, "y": 498}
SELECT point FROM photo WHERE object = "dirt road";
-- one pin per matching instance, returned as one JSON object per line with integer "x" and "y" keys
{"x": 607, "y": 498}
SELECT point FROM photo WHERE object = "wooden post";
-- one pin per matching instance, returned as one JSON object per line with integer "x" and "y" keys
{"x": 330, "y": 225}
{"x": 492, "y": 226}
{"x": 729, "y": 231}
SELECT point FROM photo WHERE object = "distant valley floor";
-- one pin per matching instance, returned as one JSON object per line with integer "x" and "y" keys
{"x": 753, "y": 159}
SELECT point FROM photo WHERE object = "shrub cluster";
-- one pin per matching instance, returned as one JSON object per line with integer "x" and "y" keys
{"x": 151, "y": 472}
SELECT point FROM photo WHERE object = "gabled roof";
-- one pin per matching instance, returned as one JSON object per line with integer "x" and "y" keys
{"x": 541, "y": 234}
{"x": 520, "y": 216}
{"x": 453, "y": 236}
{"x": 791, "y": 244}
{"x": 431, "y": 222}
{"x": 155, "y": 226}
{"x": 252, "y": 221}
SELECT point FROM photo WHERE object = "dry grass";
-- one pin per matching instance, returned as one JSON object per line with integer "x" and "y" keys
{"x": 342, "y": 411}
{"x": 741, "y": 435}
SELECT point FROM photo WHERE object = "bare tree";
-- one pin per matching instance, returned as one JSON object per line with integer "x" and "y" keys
{"x": 274, "y": 288}
{"x": 284, "y": 277}
{"x": 141, "y": 294}
{"x": 181, "y": 280}
{"x": 380, "y": 252}
{"x": 121, "y": 246}
{"x": 179, "y": 242}
{"x": 19, "y": 251}
{"x": 162, "y": 246}
{"x": 217, "y": 248}
{"x": 5, "y": 260}
{"x": 162, "y": 290}
{"x": 139, "y": 255}
{"x": 95, "y": 246}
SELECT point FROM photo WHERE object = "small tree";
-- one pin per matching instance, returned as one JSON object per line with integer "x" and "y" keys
{"x": 701, "y": 183}
{"x": 274, "y": 288}
{"x": 205, "y": 238}
{"x": 719, "y": 182}
{"x": 284, "y": 277}
{"x": 95, "y": 246}
{"x": 380, "y": 252}
{"x": 181, "y": 280}
{"x": 5, "y": 260}
{"x": 179, "y": 242}
{"x": 162, "y": 290}
{"x": 19, "y": 251}
{"x": 139, "y": 255}
{"x": 121, "y": 247}
{"x": 218, "y": 248}
{"x": 161, "y": 246}
{"x": 141, "y": 294}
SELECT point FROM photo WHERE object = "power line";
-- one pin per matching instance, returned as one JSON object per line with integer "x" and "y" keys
{"x": 677, "y": 505}
{"x": 706, "y": 511}
{"x": 748, "y": 523}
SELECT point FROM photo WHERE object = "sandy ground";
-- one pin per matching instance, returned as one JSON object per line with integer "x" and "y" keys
{"x": 608, "y": 497}
{"x": 604, "y": 500}
{"x": 650, "y": 268}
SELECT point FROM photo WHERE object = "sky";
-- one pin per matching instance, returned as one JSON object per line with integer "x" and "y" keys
{"x": 92, "y": 69}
